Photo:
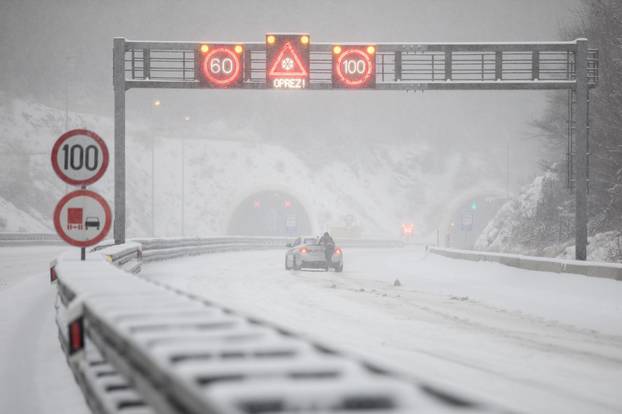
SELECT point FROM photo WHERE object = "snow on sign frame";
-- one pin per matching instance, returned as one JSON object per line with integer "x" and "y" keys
{"x": 80, "y": 157}
{"x": 82, "y": 218}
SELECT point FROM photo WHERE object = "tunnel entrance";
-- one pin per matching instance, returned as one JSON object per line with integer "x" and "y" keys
{"x": 269, "y": 213}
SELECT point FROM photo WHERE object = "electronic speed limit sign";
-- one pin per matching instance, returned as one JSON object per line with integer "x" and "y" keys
{"x": 220, "y": 66}
{"x": 354, "y": 67}
{"x": 80, "y": 157}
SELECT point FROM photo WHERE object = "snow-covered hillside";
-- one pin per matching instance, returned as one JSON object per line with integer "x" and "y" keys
{"x": 380, "y": 187}
{"x": 540, "y": 221}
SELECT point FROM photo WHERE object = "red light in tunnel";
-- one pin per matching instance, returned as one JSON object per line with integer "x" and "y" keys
{"x": 287, "y": 204}
{"x": 257, "y": 204}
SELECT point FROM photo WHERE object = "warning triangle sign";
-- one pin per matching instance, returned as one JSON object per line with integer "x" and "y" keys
{"x": 287, "y": 63}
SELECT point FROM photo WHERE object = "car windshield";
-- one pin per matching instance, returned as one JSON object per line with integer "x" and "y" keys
{"x": 311, "y": 240}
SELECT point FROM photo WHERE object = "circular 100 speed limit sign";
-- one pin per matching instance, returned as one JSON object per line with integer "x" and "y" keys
{"x": 80, "y": 157}
{"x": 82, "y": 218}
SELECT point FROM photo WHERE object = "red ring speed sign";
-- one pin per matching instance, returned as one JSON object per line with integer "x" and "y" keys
{"x": 354, "y": 67}
{"x": 82, "y": 218}
{"x": 80, "y": 157}
{"x": 221, "y": 65}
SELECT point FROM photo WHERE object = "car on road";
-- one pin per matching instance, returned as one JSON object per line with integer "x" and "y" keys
{"x": 306, "y": 252}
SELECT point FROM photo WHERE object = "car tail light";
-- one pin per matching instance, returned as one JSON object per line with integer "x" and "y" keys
{"x": 53, "y": 274}
{"x": 76, "y": 336}
{"x": 304, "y": 250}
{"x": 337, "y": 251}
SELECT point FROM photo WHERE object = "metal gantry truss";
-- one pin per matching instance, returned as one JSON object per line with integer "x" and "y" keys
{"x": 398, "y": 66}
{"x": 566, "y": 65}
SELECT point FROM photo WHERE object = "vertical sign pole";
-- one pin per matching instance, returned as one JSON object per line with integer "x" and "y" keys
{"x": 581, "y": 114}
{"x": 82, "y": 249}
{"x": 153, "y": 187}
{"x": 183, "y": 183}
{"x": 118, "y": 80}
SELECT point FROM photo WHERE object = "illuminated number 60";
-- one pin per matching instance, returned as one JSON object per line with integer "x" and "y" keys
{"x": 225, "y": 66}
{"x": 352, "y": 67}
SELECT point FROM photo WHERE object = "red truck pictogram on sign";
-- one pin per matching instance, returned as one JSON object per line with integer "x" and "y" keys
{"x": 74, "y": 218}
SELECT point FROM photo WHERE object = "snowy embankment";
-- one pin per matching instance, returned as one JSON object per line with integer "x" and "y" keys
{"x": 377, "y": 187}
{"x": 35, "y": 378}
{"x": 540, "y": 222}
{"x": 535, "y": 341}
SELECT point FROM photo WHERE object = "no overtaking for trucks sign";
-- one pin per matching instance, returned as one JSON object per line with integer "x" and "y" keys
{"x": 82, "y": 218}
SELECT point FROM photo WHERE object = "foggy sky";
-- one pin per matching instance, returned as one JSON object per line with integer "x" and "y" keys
{"x": 57, "y": 49}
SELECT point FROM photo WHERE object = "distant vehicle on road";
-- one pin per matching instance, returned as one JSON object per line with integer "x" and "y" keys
{"x": 307, "y": 253}
{"x": 92, "y": 222}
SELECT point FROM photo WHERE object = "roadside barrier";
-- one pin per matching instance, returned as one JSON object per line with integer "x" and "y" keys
{"x": 138, "y": 346}
{"x": 542, "y": 264}
{"x": 29, "y": 239}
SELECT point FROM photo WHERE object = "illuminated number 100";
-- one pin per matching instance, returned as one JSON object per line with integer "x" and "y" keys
{"x": 225, "y": 66}
{"x": 353, "y": 67}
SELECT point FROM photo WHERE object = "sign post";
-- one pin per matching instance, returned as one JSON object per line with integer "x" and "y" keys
{"x": 82, "y": 218}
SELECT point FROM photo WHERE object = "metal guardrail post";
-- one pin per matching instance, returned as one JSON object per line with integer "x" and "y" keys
{"x": 118, "y": 81}
{"x": 581, "y": 149}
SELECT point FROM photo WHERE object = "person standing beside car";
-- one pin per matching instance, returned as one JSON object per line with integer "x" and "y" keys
{"x": 329, "y": 246}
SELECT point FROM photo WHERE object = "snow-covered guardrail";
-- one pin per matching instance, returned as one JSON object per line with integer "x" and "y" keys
{"x": 28, "y": 239}
{"x": 170, "y": 248}
{"x": 136, "y": 346}
{"x": 543, "y": 264}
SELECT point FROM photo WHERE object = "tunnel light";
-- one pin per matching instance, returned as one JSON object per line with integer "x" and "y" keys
{"x": 157, "y": 103}
{"x": 408, "y": 228}
{"x": 257, "y": 204}
{"x": 287, "y": 204}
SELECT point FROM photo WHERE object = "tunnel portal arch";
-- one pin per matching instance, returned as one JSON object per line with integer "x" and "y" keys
{"x": 269, "y": 213}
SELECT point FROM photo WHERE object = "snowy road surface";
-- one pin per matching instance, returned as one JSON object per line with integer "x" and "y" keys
{"x": 35, "y": 377}
{"x": 540, "y": 342}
